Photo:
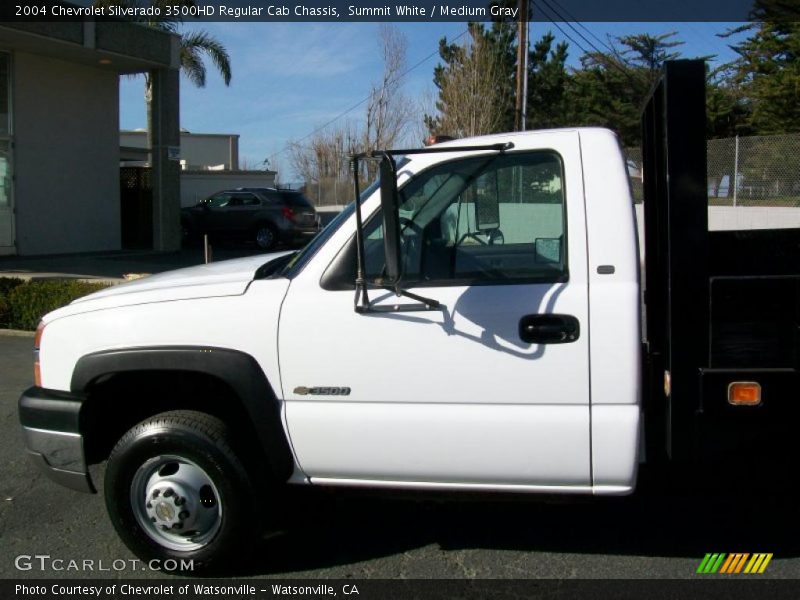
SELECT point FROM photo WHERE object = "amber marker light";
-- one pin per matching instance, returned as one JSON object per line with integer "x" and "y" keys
{"x": 37, "y": 341}
{"x": 744, "y": 393}
{"x": 438, "y": 139}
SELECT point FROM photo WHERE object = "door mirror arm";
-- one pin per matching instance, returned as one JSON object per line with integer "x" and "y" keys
{"x": 391, "y": 240}
{"x": 391, "y": 227}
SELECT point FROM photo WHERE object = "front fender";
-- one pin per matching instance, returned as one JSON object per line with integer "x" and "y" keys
{"x": 240, "y": 371}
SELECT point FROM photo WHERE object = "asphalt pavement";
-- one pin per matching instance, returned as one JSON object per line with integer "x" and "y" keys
{"x": 364, "y": 535}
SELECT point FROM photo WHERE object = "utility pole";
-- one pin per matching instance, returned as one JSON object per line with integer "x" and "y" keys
{"x": 521, "y": 106}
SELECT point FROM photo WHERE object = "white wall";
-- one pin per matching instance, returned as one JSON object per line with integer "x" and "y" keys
{"x": 197, "y": 149}
{"x": 66, "y": 156}
{"x": 520, "y": 223}
{"x": 724, "y": 218}
{"x": 197, "y": 185}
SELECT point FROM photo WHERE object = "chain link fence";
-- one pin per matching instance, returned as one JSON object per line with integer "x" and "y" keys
{"x": 754, "y": 171}
{"x": 329, "y": 192}
{"x": 761, "y": 171}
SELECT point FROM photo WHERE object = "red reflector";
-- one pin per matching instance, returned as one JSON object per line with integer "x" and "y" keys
{"x": 288, "y": 212}
{"x": 744, "y": 393}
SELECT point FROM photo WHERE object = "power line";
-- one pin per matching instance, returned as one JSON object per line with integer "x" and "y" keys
{"x": 582, "y": 26}
{"x": 564, "y": 33}
{"x": 611, "y": 62}
{"x": 363, "y": 100}
{"x": 566, "y": 22}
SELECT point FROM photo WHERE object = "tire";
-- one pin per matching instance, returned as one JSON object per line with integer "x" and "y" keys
{"x": 175, "y": 489}
{"x": 265, "y": 236}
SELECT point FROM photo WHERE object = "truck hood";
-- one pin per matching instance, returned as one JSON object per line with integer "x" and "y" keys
{"x": 224, "y": 278}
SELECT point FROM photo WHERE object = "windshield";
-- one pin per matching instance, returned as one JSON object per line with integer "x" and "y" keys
{"x": 300, "y": 258}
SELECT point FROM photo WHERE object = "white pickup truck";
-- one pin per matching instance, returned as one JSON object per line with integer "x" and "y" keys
{"x": 494, "y": 343}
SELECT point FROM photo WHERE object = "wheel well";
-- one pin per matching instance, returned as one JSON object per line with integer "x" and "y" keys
{"x": 118, "y": 401}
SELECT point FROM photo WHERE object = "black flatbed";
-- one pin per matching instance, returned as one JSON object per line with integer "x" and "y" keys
{"x": 721, "y": 307}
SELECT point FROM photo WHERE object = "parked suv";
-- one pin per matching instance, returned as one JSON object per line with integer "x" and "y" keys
{"x": 265, "y": 216}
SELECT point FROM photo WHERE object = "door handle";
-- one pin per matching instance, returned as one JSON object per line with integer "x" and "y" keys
{"x": 549, "y": 329}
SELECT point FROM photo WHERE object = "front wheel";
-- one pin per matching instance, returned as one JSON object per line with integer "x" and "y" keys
{"x": 175, "y": 489}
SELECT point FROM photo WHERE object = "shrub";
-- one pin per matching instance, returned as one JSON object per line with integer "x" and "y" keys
{"x": 5, "y": 312}
{"x": 6, "y": 285}
{"x": 9, "y": 283}
{"x": 29, "y": 302}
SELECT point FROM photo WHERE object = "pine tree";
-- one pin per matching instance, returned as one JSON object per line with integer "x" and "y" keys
{"x": 767, "y": 70}
{"x": 548, "y": 83}
{"x": 611, "y": 87}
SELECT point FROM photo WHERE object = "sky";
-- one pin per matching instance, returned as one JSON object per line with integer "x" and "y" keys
{"x": 291, "y": 78}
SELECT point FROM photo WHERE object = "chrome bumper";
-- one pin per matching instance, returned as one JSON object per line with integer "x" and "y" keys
{"x": 52, "y": 437}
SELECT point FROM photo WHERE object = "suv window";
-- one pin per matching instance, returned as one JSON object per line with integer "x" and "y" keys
{"x": 246, "y": 200}
{"x": 218, "y": 200}
{"x": 487, "y": 219}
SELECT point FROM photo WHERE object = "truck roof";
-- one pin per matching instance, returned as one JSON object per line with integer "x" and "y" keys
{"x": 511, "y": 135}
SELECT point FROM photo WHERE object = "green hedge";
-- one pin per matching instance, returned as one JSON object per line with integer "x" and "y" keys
{"x": 26, "y": 303}
{"x": 6, "y": 285}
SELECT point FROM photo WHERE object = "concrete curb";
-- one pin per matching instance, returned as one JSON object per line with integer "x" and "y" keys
{"x": 16, "y": 333}
{"x": 59, "y": 276}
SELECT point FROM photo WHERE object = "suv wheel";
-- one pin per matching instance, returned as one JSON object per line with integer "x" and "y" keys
{"x": 175, "y": 489}
{"x": 265, "y": 236}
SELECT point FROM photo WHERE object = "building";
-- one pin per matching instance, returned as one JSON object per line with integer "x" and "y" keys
{"x": 199, "y": 151}
{"x": 209, "y": 163}
{"x": 59, "y": 135}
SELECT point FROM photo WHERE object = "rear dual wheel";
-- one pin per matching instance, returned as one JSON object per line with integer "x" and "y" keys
{"x": 175, "y": 489}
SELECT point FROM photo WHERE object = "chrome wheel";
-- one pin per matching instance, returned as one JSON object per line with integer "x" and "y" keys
{"x": 176, "y": 503}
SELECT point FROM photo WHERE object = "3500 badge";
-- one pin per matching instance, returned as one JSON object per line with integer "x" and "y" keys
{"x": 322, "y": 391}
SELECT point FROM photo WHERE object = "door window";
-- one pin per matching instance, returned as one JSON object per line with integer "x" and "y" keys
{"x": 242, "y": 200}
{"x": 487, "y": 219}
{"x": 249, "y": 200}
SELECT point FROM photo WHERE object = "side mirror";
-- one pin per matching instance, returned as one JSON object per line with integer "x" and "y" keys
{"x": 391, "y": 218}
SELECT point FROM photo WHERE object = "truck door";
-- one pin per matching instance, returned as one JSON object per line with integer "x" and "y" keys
{"x": 492, "y": 390}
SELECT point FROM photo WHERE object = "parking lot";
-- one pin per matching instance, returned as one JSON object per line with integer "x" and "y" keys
{"x": 342, "y": 535}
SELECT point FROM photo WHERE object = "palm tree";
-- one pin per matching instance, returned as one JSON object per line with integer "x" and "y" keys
{"x": 193, "y": 45}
